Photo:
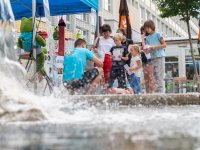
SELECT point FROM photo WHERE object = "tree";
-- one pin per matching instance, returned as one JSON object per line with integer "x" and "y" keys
{"x": 185, "y": 9}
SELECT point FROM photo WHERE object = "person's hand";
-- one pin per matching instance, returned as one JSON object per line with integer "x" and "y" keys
{"x": 146, "y": 51}
{"x": 132, "y": 69}
{"x": 151, "y": 48}
{"x": 120, "y": 56}
{"x": 95, "y": 50}
{"x": 112, "y": 57}
{"x": 143, "y": 35}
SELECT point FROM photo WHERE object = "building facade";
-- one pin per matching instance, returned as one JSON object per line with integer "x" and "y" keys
{"x": 140, "y": 11}
{"x": 83, "y": 23}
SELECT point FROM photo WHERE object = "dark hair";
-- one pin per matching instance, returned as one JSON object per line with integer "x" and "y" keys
{"x": 106, "y": 28}
{"x": 122, "y": 31}
{"x": 142, "y": 29}
{"x": 79, "y": 42}
{"x": 149, "y": 24}
{"x": 100, "y": 30}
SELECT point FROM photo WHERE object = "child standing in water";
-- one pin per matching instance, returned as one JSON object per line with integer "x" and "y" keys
{"x": 135, "y": 68}
{"x": 119, "y": 55}
{"x": 147, "y": 64}
{"x": 156, "y": 48}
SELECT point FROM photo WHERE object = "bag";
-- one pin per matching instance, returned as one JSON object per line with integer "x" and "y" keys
{"x": 144, "y": 58}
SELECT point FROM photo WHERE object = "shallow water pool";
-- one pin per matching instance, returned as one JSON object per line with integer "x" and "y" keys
{"x": 122, "y": 128}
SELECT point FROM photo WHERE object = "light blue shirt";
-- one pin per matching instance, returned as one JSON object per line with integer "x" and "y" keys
{"x": 75, "y": 64}
{"x": 154, "y": 40}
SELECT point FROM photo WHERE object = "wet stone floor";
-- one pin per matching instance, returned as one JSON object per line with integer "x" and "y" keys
{"x": 136, "y": 128}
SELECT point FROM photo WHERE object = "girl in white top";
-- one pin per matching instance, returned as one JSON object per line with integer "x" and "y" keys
{"x": 104, "y": 44}
{"x": 135, "y": 68}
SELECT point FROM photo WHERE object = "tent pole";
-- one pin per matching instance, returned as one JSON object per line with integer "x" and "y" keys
{"x": 97, "y": 25}
{"x": 34, "y": 42}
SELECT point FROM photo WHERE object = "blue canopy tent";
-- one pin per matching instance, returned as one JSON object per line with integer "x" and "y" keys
{"x": 35, "y": 8}
{"x": 23, "y": 8}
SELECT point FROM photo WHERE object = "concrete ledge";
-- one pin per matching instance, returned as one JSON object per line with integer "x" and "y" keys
{"x": 146, "y": 100}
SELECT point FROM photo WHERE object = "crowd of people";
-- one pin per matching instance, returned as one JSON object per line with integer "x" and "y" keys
{"x": 118, "y": 58}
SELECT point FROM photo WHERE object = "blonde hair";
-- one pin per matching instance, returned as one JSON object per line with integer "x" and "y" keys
{"x": 118, "y": 36}
{"x": 135, "y": 47}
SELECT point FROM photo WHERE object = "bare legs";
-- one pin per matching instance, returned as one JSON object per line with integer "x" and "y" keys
{"x": 93, "y": 85}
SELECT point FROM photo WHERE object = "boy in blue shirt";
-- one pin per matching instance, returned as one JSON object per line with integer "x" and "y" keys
{"x": 119, "y": 56}
{"x": 74, "y": 76}
{"x": 157, "y": 45}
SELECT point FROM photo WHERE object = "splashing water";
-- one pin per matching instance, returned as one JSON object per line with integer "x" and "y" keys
{"x": 63, "y": 123}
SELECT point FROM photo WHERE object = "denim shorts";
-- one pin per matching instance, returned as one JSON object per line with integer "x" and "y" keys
{"x": 135, "y": 83}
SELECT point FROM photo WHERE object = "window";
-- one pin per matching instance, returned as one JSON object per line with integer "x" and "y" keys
{"x": 93, "y": 20}
{"x": 79, "y": 17}
{"x": 164, "y": 30}
{"x": 68, "y": 20}
{"x": 148, "y": 15}
{"x": 158, "y": 26}
{"x": 133, "y": 2}
{"x": 167, "y": 33}
{"x": 142, "y": 15}
{"x": 136, "y": 5}
{"x": 83, "y": 17}
{"x": 170, "y": 33}
{"x": 171, "y": 67}
{"x": 84, "y": 33}
{"x": 68, "y": 26}
{"x": 190, "y": 66}
{"x": 162, "y": 27}
{"x": 107, "y": 5}
{"x": 91, "y": 38}
{"x": 154, "y": 19}
{"x": 174, "y": 34}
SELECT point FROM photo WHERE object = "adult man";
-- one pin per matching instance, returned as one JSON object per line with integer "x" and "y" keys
{"x": 74, "y": 77}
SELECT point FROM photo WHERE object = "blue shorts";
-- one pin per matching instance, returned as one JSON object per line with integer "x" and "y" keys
{"x": 135, "y": 83}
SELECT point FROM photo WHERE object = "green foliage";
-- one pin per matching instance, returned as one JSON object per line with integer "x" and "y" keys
{"x": 182, "y": 8}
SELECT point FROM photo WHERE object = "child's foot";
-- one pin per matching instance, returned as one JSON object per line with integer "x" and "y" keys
{"x": 110, "y": 91}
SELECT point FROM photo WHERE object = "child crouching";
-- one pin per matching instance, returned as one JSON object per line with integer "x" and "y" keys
{"x": 135, "y": 68}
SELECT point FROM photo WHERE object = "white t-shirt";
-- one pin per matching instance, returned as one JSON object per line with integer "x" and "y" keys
{"x": 105, "y": 45}
{"x": 134, "y": 60}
